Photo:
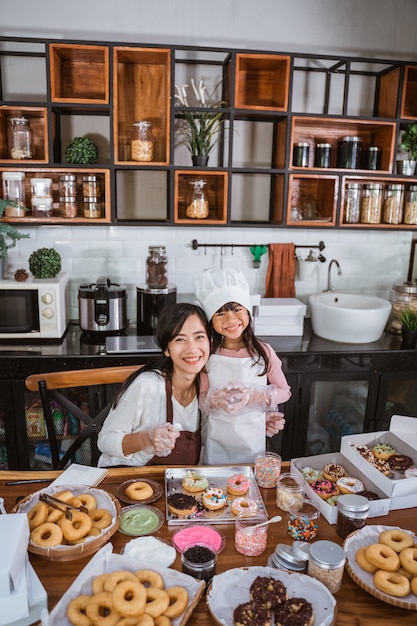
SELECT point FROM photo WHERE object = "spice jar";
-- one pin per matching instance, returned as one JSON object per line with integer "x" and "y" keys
{"x": 323, "y": 155}
{"x": 92, "y": 208}
{"x": 142, "y": 142}
{"x": 285, "y": 558}
{"x": 352, "y": 203}
{"x": 250, "y": 541}
{"x": 300, "y": 154}
{"x": 156, "y": 267}
{"x": 199, "y": 561}
{"x": 349, "y": 152}
{"x": 326, "y": 563}
{"x": 410, "y": 208}
{"x": 19, "y": 138}
{"x": 371, "y": 206}
{"x": 68, "y": 185}
{"x": 267, "y": 469}
{"x": 91, "y": 187}
{"x": 372, "y": 158}
{"x": 352, "y": 513}
{"x": 303, "y": 523}
{"x": 402, "y": 297}
{"x": 68, "y": 206}
{"x": 14, "y": 190}
{"x": 197, "y": 203}
{"x": 393, "y": 205}
{"x": 290, "y": 489}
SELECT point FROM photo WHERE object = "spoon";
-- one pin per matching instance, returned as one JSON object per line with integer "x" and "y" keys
{"x": 276, "y": 518}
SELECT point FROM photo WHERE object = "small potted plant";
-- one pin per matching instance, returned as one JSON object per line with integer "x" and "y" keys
{"x": 408, "y": 144}
{"x": 408, "y": 320}
{"x": 9, "y": 235}
{"x": 81, "y": 151}
{"x": 45, "y": 263}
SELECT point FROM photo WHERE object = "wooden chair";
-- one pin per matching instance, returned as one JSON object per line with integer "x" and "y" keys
{"x": 52, "y": 386}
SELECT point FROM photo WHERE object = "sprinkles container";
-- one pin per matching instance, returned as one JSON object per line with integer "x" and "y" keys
{"x": 267, "y": 469}
{"x": 250, "y": 541}
{"x": 290, "y": 489}
{"x": 303, "y": 523}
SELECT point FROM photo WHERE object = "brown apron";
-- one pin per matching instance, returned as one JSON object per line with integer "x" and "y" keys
{"x": 187, "y": 445}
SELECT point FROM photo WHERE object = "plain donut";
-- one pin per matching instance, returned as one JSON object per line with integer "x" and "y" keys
{"x": 408, "y": 559}
{"x": 393, "y": 583}
{"x": 77, "y": 527}
{"x": 150, "y": 578}
{"x": 178, "y": 597}
{"x": 47, "y": 535}
{"x": 139, "y": 490}
{"x": 101, "y": 611}
{"x": 157, "y": 601}
{"x": 129, "y": 598}
{"x": 37, "y": 514}
{"x": 76, "y": 611}
{"x": 383, "y": 557}
{"x": 396, "y": 539}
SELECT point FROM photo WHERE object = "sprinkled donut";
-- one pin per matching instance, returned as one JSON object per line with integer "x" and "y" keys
{"x": 325, "y": 488}
{"x": 244, "y": 505}
{"x": 411, "y": 472}
{"x": 399, "y": 462}
{"x": 311, "y": 474}
{"x": 383, "y": 451}
{"x": 349, "y": 484}
{"x": 237, "y": 485}
{"x": 381, "y": 465}
{"x": 194, "y": 481}
{"x": 333, "y": 471}
{"x": 214, "y": 498}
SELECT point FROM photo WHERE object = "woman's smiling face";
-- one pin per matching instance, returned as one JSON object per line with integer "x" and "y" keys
{"x": 190, "y": 349}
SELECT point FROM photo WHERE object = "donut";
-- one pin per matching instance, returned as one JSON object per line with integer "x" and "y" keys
{"x": 332, "y": 501}
{"x": 93, "y": 532}
{"x": 408, "y": 560}
{"x": 251, "y": 613}
{"x": 98, "y": 583}
{"x": 392, "y": 583}
{"x": 370, "y": 495}
{"x": 157, "y": 601}
{"x": 76, "y": 611}
{"x": 150, "y": 578}
{"x": 139, "y": 490}
{"x": 38, "y": 514}
{"x": 237, "y": 485}
{"x": 77, "y": 527}
{"x": 47, "y": 535}
{"x": 396, "y": 539}
{"x": 399, "y": 462}
{"x": 64, "y": 496}
{"x": 140, "y": 620}
{"x": 244, "y": 505}
{"x": 129, "y": 598}
{"x": 310, "y": 474}
{"x": 268, "y": 591}
{"x": 85, "y": 499}
{"x": 113, "y": 579}
{"x": 182, "y": 504}
{"x": 296, "y": 611}
{"x": 334, "y": 471}
{"x": 100, "y": 610}
{"x": 162, "y": 620}
{"x": 381, "y": 465}
{"x": 178, "y": 600}
{"x": 348, "y": 484}
{"x": 193, "y": 481}
{"x": 364, "y": 451}
{"x": 54, "y": 515}
{"x": 411, "y": 472}
{"x": 413, "y": 584}
{"x": 383, "y": 451}
{"x": 362, "y": 561}
{"x": 214, "y": 498}
{"x": 324, "y": 488}
{"x": 383, "y": 557}
{"x": 100, "y": 518}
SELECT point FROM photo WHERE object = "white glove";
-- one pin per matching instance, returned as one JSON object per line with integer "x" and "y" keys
{"x": 234, "y": 398}
{"x": 159, "y": 440}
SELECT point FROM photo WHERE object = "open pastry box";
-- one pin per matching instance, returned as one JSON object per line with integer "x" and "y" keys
{"x": 402, "y": 434}
{"x": 376, "y": 507}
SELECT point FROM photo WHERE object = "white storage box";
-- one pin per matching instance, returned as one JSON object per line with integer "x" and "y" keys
{"x": 402, "y": 434}
{"x": 276, "y": 330}
{"x": 14, "y": 539}
{"x": 38, "y": 599}
{"x": 15, "y": 606}
{"x": 279, "y": 317}
{"x": 279, "y": 307}
{"x": 376, "y": 507}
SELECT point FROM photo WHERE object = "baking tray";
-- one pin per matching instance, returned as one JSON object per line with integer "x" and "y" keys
{"x": 217, "y": 477}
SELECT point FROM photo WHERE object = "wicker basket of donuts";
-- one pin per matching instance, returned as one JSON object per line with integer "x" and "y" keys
{"x": 127, "y": 591}
{"x": 70, "y": 522}
{"x": 383, "y": 561}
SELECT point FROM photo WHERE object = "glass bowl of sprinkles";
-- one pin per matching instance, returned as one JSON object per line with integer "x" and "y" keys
{"x": 303, "y": 522}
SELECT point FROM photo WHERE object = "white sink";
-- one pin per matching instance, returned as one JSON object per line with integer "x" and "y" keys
{"x": 347, "y": 317}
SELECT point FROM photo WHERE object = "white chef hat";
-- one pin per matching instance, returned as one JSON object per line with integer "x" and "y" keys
{"x": 215, "y": 288}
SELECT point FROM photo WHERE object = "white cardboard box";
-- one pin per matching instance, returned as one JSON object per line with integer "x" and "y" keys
{"x": 402, "y": 434}
{"x": 15, "y": 606}
{"x": 14, "y": 539}
{"x": 281, "y": 320}
{"x": 376, "y": 507}
{"x": 38, "y": 599}
{"x": 281, "y": 306}
{"x": 276, "y": 330}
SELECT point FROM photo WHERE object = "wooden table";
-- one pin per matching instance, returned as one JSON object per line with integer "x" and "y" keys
{"x": 354, "y": 605}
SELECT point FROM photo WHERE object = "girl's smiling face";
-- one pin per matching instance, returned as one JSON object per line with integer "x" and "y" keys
{"x": 231, "y": 321}
{"x": 190, "y": 349}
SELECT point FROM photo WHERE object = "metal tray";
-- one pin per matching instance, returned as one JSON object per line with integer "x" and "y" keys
{"x": 217, "y": 477}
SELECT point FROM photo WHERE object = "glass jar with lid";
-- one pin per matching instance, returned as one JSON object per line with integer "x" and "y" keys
{"x": 303, "y": 522}
{"x": 323, "y": 155}
{"x": 91, "y": 186}
{"x": 41, "y": 207}
{"x": 19, "y": 138}
{"x": 402, "y": 297}
{"x": 371, "y": 205}
{"x": 410, "y": 205}
{"x": 142, "y": 142}
{"x": 290, "y": 488}
{"x": 393, "y": 205}
{"x": 41, "y": 187}
{"x": 92, "y": 208}
{"x": 349, "y": 152}
{"x": 68, "y": 185}
{"x": 301, "y": 154}
{"x": 14, "y": 190}
{"x": 326, "y": 563}
{"x": 197, "y": 203}
{"x": 352, "y": 513}
{"x": 352, "y": 203}
{"x": 156, "y": 268}
{"x": 68, "y": 206}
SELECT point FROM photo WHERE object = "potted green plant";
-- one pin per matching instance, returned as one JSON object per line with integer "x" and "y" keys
{"x": 408, "y": 144}
{"x": 408, "y": 320}
{"x": 81, "y": 150}
{"x": 198, "y": 131}
{"x": 45, "y": 263}
{"x": 9, "y": 235}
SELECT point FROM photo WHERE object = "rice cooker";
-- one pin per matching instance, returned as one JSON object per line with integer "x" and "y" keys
{"x": 102, "y": 306}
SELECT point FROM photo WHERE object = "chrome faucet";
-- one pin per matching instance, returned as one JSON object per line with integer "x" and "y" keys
{"x": 330, "y": 287}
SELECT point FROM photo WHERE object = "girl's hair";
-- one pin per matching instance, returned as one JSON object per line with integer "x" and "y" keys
{"x": 252, "y": 344}
{"x": 169, "y": 325}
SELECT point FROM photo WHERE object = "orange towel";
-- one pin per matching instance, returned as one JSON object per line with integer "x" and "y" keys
{"x": 280, "y": 275}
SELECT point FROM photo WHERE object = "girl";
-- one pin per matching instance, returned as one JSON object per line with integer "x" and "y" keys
{"x": 238, "y": 371}
{"x": 155, "y": 417}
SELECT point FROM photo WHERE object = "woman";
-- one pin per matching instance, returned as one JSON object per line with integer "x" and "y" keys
{"x": 155, "y": 417}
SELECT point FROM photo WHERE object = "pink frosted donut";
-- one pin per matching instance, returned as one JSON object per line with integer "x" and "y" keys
{"x": 244, "y": 505}
{"x": 411, "y": 472}
{"x": 238, "y": 485}
{"x": 324, "y": 488}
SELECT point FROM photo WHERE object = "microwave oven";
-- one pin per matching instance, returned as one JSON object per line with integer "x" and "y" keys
{"x": 34, "y": 309}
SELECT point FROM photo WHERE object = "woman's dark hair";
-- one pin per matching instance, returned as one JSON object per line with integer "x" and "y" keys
{"x": 252, "y": 344}
{"x": 170, "y": 322}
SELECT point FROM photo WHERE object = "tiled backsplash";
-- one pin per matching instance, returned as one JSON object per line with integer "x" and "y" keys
{"x": 371, "y": 261}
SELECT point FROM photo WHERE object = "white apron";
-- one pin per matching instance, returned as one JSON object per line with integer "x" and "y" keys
{"x": 234, "y": 438}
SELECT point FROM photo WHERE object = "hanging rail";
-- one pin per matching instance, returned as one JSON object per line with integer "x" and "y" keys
{"x": 195, "y": 245}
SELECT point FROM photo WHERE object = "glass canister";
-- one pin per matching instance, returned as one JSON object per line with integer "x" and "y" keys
{"x": 68, "y": 185}
{"x": 290, "y": 489}
{"x": 372, "y": 158}
{"x": 371, "y": 206}
{"x": 352, "y": 513}
{"x": 199, "y": 561}
{"x": 92, "y": 208}
{"x": 250, "y": 541}
{"x": 142, "y": 142}
{"x": 14, "y": 190}
{"x": 267, "y": 469}
{"x": 326, "y": 563}
{"x": 68, "y": 206}
{"x": 323, "y": 155}
{"x": 402, "y": 297}
{"x": 41, "y": 207}
{"x": 156, "y": 267}
{"x": 352, "y": 203}
{"x": 393, "y": 205}
{"x": 19, "y": 138}
{"x": 410, "y": 205}
{"x": 301, "y": 154}
{"x": 303, "y": 523}
{"x": 349, "y": 152}
{"x": 197, "y": 203}
{"x": 41, "y": 187}
{"x": 91, "y": 187}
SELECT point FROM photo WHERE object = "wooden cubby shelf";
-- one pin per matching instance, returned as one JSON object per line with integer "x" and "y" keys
{"x": 38, "y": 123}
{"x": 216, "y": 192}
{"x": 262, "y": 81}
{"x": 314, "y": 198}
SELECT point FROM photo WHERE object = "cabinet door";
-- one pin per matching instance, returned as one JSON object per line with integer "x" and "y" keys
{"x": 397, "y": 396}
